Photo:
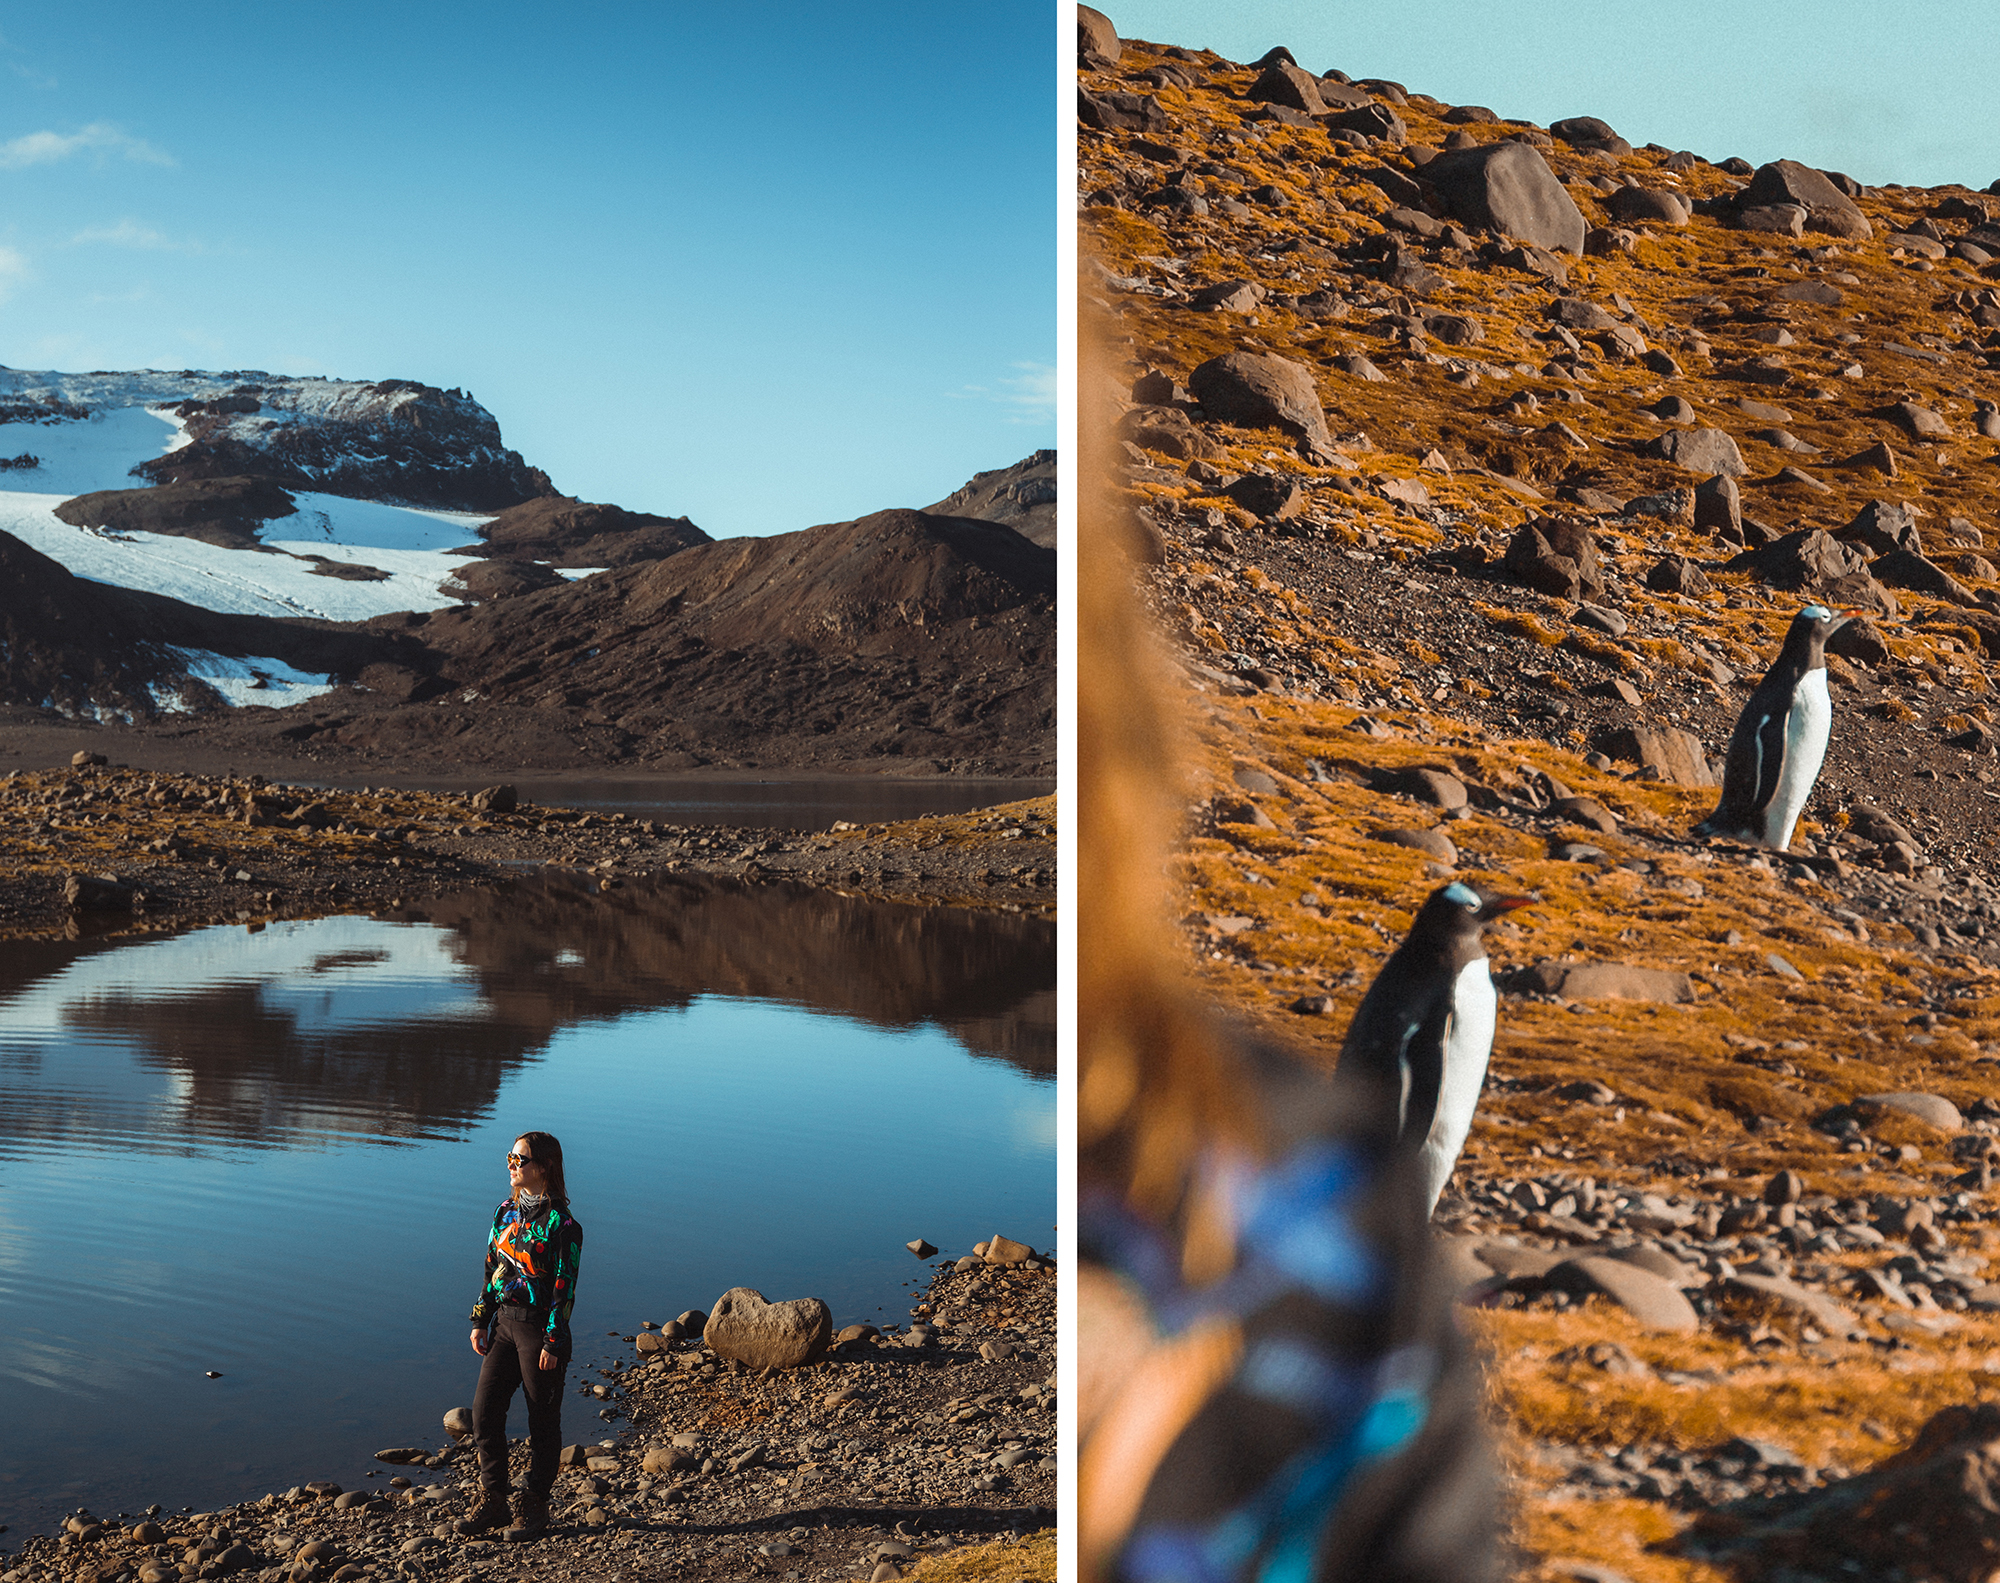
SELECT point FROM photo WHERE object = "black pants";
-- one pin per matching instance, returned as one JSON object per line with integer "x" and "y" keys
{"x": 515, "y": 1359}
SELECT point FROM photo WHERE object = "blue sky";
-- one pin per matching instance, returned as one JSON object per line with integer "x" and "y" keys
{"x": 765, "y": 266}
{"x": 1897, "y": 92}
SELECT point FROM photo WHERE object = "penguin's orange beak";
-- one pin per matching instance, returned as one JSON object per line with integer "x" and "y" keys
{"x": 1505, "y": 904}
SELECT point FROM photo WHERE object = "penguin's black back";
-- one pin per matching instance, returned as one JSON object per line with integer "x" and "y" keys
{"x": 1398, "y": 1033}
{"x": 1757, "y": 746}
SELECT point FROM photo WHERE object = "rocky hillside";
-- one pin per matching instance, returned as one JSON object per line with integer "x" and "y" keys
{"x": 899, "y": 637}
{"x": 1022, "y": 496}
{"x": 1478, "y": 467}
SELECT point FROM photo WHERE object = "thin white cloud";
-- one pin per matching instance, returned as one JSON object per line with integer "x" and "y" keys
{"x": 13, "y": 270}
{"x": 100, "y": 137}
{"x": 132, "y": 234}
{"x": 1029, "y": 393}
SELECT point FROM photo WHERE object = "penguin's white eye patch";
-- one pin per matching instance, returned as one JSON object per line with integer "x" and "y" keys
{"x": 1817, "y": 612}
{"x": 1464, "y": 895}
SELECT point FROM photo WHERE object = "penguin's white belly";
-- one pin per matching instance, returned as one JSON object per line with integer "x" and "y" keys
{"x": 1468, "y": 1042}
{"x": 1807, "y": 727}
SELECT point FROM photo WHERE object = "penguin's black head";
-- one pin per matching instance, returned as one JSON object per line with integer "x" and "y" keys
{"x": 1812, "y": 626}
{"x": 1462, "y": 908}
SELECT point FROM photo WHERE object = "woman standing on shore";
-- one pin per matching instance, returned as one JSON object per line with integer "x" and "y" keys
{"x": 521, "y": 1329}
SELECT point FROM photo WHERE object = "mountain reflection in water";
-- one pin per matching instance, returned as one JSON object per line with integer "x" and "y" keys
{"x": 368, "y": 1026}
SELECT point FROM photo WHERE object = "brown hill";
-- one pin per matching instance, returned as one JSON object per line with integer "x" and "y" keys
{"x": 567, "y": 532}
{"x": 901, "y": 636}
{"x": 1454, "y": 475}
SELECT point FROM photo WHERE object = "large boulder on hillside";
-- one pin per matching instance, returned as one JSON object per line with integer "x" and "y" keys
{"x": 1811, "y": 563}
{"x": 1285, "y": 84}
{"x": 1709, "y": 451}
{"x": 1930, "y": 1510}
{"x": 1261, "y": 390}
{"x": 1827, "y": 208}
{"x": 1672, "y": 755}
{"x": 1097, "y": 45}
{"x": 1648, "y": 206}
{"x": 1882, "y": 526}
{"x": 747, "y": 1328}
{"x": 1370, "y": 120}
{"x": 1920, "y": 575}
{"x": 1556, "y": 556}
{"x": 1583, "y": 130}
{"x": 1509, "y": 188}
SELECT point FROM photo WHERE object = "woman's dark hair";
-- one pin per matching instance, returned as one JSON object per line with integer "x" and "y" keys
{"x": 548, "y": 1155}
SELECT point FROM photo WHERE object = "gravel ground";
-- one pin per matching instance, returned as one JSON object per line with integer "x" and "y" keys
{"x": 900, "y": 1448}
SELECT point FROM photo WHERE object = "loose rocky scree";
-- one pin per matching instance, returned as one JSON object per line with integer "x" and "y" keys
{"x": 100, "y": 849}
{"x": 927, "y": 1448}
{"x": 1471, "y": 531}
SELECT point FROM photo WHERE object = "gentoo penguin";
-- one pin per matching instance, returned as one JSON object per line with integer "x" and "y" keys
{"x": 1425, "y": 1028}
{"x": 1780, "y": 739}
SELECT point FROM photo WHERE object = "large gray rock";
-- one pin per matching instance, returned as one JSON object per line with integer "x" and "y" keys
{"x": 1604, "y": 981}
{"x": 1283, "y": 83}
{"x": 1907, "y": 569}
{"x": 1509, "y": 188}
{"x": 1934, "y": 1110}
{"x": 1555, "y": 556}
{"x": 1370, "y": 120}
{"x": 1655, "y": 1303}
{"x": 1261, "y": 390}
{"x": 1884, "y": 525}
{"x": 747, "y": 1327}
{"x": 1813, "y": 1307}
{"x": 1648, "y": 205}
{"x": 1930, "y": 1510}
{"x": 1827, "y": 208}
{"x": 1097, "y": 44}
{"x": 1674, "y": 755}
{"x": 1701, "y": 451}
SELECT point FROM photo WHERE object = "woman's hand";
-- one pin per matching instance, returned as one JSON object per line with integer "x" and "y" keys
{"x": 550, "y": 1360}
{"x": 480, "y": 1342}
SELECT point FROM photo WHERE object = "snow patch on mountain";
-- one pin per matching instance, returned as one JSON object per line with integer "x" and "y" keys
{"x": 407, "y": 545}
{"x": 79, "y": 456}
{"x": 253, "y": 679}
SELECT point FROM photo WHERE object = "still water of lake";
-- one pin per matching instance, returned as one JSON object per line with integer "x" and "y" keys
{"x": 274, "y": 1153}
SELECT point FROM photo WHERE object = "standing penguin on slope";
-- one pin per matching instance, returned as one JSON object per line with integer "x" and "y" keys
{"x": 1424, "y": 1030}
{"x": 1780, "y": 739}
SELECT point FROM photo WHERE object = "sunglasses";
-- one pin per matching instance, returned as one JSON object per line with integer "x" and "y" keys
{"x": 520, "y": 1159}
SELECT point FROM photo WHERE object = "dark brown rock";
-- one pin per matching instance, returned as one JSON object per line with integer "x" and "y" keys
{"x": 1262, "y": 390}
{"x": 1827, "y": 208}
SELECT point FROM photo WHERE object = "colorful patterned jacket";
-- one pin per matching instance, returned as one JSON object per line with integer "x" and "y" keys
{"x": 532, "y": 1261}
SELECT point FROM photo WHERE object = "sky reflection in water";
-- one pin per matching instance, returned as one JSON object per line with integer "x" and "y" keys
{"x": 274, "y": 1154}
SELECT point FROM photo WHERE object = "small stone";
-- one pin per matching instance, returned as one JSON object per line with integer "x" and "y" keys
{"x": 921, "y": 1248}
{"x": 458, "y": 1422}
{"x": 1434, "y": 843}
{"x": 1786, "y": 1187}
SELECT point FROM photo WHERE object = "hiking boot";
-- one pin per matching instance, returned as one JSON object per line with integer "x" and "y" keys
{"x": 531, "y": 1514}
{"x": 491, "y": 1512}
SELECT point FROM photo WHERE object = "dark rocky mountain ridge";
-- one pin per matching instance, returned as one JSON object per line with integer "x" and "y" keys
{"x": 919, "y": 640}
